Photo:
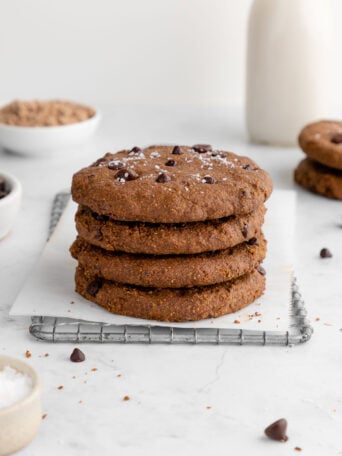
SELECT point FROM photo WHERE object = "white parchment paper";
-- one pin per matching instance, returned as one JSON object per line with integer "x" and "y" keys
{"x": 49, "y": 290}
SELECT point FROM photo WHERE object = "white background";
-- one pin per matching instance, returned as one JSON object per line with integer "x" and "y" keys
{"x": 128, "y": 51}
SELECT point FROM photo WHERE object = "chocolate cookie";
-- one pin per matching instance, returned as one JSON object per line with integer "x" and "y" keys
{"x": 319, "y": 178}
{"x": 322, "y": 141}
{"x": 167, "y": 304}
{"x": 167, "y": 239}
{"x": 177, "y": 271}
{"x": 166, "y": 184}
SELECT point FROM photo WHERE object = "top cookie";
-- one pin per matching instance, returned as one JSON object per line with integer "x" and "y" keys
{"x": 171, "y": 184}
{"x": 322, "y": 141}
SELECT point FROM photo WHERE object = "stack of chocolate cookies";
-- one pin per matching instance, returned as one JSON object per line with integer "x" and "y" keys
{"x": 170, "y": 233}
{"x": 321, "y": 171}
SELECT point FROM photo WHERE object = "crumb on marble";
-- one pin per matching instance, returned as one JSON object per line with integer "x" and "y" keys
{"x": 126, "y": 398}
{"x": 60, "y": 387}
{"x": 236, "y": 322}
{"x": 44, "y": 416}
{"x": 297, "y": 448}
{"x": 94, "y": 369}
{"x": 28, "y": 354}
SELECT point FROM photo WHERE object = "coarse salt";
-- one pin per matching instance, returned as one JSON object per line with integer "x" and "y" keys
{"x": 14, "y": 386}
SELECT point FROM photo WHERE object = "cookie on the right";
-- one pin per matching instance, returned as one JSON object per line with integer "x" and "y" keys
{"x": 321, "y": 171}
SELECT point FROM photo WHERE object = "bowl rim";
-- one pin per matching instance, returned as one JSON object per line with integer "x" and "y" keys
{"x": 13, "y": 128}
{"x": 15, "y": 188}
{"x": 13, "y": 362}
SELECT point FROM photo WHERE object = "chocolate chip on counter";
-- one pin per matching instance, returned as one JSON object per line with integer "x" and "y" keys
{"x": 277, "y": 430}
{"x": 3, "y": 190}
{"x": 208, "y": 180}
{"x": 261, "y": 270}
{"x": 126, "y": 174}
{"x": 177, "y": 151}
{"x": 325, "y": 253}
{"x": 244, "y": 231}
{"x": 170, "y": 163}
{"x": 337, "y": 139}
{"x": 202, "y": 148}
{"x": 115, "y": 164}
{"x": 93, "y": 287}
{"x": 162, "y": 178}
{"x": 77, "y": 356}
{"x": 136, "y": 150}
{"x": 253, "y": 241}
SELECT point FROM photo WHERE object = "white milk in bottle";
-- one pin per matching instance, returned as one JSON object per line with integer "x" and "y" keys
{"x": 290, "y": 68}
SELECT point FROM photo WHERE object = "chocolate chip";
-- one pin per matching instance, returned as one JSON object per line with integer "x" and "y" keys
{"x": 208, "y": 180}
{"x": 115, "y": 164}
{"x": 100, "y": 217}
{"x": 170, "y": 163}
{"x": 3, "y": 190}
{"x": 94, "y": 287}
{"x": 100, "y": 161}
{"x": 135, "y": 150}
{"x": 261, "y": 270}
{"x": 162, "y": 178}
{"x": 202, "y": 148}
{"x": 244, "y": 231}
{"x": 98, "y": 235}
{"x": 248, "y": 167}
{"x": 325, "y": 253}
{"x": 177, "y": 151}
{"x": 245, "y": 193}
{"x": 126, "y": 174}
{"x": 77, "y": 356}
{"x": 277, "y": 430}
{"x": 253, "y": 241}
{"x": 337, "y": 139}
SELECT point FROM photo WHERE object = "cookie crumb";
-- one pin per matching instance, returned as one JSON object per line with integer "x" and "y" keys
{"x": 44, "y": 416}
{"x": 60, "y": 387}
{"x": 94, "y": 369}
{"x": 119, "y": 375}
{"x": 28, "y": 354}
{"x": 126, "y": 398}
{"x": 297, "y": 448}
{"x": 236, "y": 322}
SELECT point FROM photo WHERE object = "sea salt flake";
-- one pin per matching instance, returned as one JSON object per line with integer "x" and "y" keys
{"x": 14, "y": 386}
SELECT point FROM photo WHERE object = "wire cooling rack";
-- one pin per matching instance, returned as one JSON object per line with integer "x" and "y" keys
{"x": 51, "y": 329}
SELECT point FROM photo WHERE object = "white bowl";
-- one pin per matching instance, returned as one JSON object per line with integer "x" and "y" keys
{"x": 19, "y": 423}
{"x": 9, "y": 205}
{"x": 45, "y": 140}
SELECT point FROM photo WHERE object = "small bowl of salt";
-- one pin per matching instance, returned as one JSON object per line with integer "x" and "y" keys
{"x": 20, "y": 407}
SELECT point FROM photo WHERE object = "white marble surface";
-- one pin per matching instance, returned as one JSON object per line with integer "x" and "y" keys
{"x": 171, "y": 386}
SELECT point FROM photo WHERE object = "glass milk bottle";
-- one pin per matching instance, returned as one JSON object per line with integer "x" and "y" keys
{"x": 290, "y": 71}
